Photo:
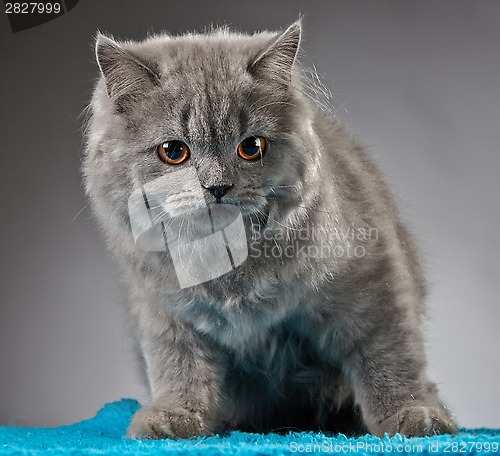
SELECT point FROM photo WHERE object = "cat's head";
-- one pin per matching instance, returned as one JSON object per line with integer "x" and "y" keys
{"x": 228, "y": 107}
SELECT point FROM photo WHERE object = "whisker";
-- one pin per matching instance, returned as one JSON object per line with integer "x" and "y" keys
{"x": 157, "y": 218}
{"x": 281, "y": 186}
{"x": 79, "y": 212}
{"x": 314, "y": 209}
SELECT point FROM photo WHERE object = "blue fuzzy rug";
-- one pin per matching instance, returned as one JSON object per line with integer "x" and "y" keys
{"x": 103, "y": 435}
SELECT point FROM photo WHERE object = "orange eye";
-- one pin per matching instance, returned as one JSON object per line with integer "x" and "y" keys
{"x": 252, "y": 147}
{"x": 173, "y": 152}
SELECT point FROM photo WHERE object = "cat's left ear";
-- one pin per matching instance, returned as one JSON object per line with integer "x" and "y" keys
{"x": 277, "y": 60}
{"x": 127, "y": 79}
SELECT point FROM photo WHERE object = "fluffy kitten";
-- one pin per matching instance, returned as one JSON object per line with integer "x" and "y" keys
{"x": 319, "y": 326}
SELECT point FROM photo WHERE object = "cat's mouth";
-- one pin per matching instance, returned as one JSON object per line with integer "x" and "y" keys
{"x": 255, "y": 210}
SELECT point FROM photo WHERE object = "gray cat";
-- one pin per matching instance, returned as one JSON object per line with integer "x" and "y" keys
{"x": 316, "y": 322}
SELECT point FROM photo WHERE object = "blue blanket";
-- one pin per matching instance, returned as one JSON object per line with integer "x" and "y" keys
{"x": 103, "y": 435}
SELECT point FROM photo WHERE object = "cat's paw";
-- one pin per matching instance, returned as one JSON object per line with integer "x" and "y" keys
{"x": 416, "y": 421}
{"x": 154, "y": 422}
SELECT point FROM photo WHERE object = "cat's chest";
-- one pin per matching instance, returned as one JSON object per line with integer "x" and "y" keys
{"x": 242, "y": 320}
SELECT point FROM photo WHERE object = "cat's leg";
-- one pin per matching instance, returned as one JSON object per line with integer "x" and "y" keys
{"x": 182, "y": 378}
{"x": 387, "y": 372}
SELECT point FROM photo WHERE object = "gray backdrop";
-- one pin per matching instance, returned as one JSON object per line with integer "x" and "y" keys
{"x": 417, "y": 81}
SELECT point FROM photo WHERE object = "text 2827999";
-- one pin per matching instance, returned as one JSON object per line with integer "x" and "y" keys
{"x": 33, "y": 8}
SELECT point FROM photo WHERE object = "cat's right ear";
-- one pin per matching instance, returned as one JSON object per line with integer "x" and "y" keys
{"x": 127, "y": 79}
{"x": 276, "y": 61}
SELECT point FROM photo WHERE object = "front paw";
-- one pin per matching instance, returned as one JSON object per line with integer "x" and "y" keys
{"x": 416, "y": 421}
{"x": 155, "y": 422}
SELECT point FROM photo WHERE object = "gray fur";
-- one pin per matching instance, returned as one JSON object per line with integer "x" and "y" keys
{"x": 331, "y": 342}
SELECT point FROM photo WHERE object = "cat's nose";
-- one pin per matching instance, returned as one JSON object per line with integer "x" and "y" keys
{"x": 219, "y": 191}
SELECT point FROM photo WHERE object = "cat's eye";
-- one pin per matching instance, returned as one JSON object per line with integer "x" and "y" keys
{"x": 173, "y": 152}
{"x": 252, "y": 147}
